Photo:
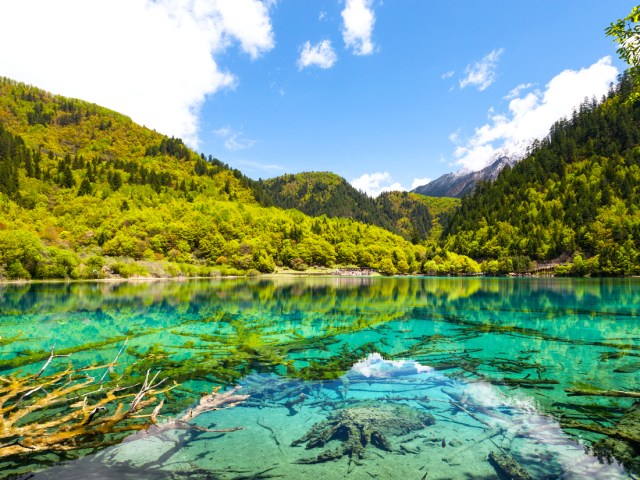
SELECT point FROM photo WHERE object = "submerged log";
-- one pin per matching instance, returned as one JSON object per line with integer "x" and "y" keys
{"x": 27, "y": 425}
{"x": 63, "y": 411}
{"x": 573, "y": 392}
{"x": 607, "y": 431}
{"x": 506, "y": 465}
{"x": 530, "y": 382}
{"x": 624, "y": 444}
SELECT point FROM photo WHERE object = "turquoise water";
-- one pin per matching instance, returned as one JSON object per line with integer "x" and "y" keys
{"x": 348, "y": 377}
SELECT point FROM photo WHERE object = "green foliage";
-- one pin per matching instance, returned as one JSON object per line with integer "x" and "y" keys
{"x": 128, "y": 270}
{"x": 626, "y": 33}
{"x": 92, "y": 268}
{"x": 21, "y": 253}
{"x": 58, "y": 263}
{"x": 13, "y": 154}
{"x": 577, "y": 191}
{"x": 85, "y": 187}
{"x": 408, "y": 212}
{"x": 441, "y": 209}
{"x": 169, "y": 146}
{"x": 387, "y": 267}
{"x": 146, "y": 205}
{"x": 324, "y": 193}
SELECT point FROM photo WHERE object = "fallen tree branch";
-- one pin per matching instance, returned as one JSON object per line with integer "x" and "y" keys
{"x": 51, "y": 357}
{"x": 574, "y": 392}
{"x": 113, "y": 364}
{"x": 609, "y": 432}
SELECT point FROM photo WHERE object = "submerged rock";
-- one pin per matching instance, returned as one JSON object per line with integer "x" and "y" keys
{"x": 360, "y": 425}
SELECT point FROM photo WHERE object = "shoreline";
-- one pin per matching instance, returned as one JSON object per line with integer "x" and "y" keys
{"x": 328, "y": 272}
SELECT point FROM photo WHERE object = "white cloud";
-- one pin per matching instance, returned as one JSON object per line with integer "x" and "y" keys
{"x": 515, "y": 92}
{"x": 418, "y": 182}
{"x": 373, "y": 184}
{"x": 448, "y": 74}
{"x": 531, "y": 116}
{"x": 244, "y": 20}
{"x": 153, "y": 60}
{"x": 482, "y": 73}
{"x": 321, "y": 55}
{"x": 233, "y": 140}
{"x": 257, "y": 166}
{"x": 358, "y": 19}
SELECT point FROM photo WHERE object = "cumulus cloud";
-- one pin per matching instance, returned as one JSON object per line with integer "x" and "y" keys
{"x": 358, "y": 20}
{"x": 418, "y": 182}
{"x": 373, "y": 184}
{"x": 482, "y": 73}
{"x": 531, "y": 115}
{"x": 319, "y": 55}
{"x": 154, "y": 60}
{"x": 448, "y": 74}
{"x": 233, "y": 140}
{"x": 515, "y": 92}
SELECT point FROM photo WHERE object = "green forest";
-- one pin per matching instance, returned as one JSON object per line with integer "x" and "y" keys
{"x": 576, "y": 194}
{"x": 325, "y": 193}
{"x": 85, "y": 193}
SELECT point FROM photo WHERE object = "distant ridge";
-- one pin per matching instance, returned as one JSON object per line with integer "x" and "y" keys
{"x": 325, "y": 193}
{"x": 463, "y": 182}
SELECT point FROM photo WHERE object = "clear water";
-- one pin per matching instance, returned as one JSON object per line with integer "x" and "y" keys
{"x": 487, "y": 359}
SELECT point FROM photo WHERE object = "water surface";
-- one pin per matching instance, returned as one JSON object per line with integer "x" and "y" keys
{"x": 488, "y": 360}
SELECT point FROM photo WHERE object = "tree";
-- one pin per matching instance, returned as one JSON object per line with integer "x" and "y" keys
{"x": 386, "y": 267}
{"x": 85, "y": 187}
{"x": 67, "y": 177}
{"x": 115, "y": 181}
{"x": 626, "y": 33}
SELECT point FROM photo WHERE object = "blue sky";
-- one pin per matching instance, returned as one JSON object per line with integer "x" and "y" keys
{"x": 387, "y": 94}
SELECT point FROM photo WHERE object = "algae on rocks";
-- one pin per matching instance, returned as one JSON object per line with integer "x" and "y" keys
{"x": 362, "y": 424}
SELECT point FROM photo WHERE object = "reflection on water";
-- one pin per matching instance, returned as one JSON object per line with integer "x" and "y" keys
{"x": 487, "y": 359}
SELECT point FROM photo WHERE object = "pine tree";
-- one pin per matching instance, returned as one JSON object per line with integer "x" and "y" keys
{"x": 115, "y": 181}
{"x": 67, "y": 180}
{"x": 85, "y": 188}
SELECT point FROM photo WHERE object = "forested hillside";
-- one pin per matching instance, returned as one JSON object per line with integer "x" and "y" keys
{"x": 409, "y": 213}
{"x": 318, "y": 193}
{"x": 87, "y": 193}
{"x": 577, "y": 194}
{"x": 325, "y": 193}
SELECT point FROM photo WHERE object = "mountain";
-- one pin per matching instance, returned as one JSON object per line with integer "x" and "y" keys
{"x": 577, "y": 195}
{"x": 325, "y": 193}
{"x": 463, "y": 182}
{"x": 87, "y": 193}
{"x": 415, "y": 216}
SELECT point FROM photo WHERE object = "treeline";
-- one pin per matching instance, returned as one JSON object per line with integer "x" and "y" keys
{"x": 325, "y": 193}
{"x": 576, "y": 194}
{"x": 106, "y": 197}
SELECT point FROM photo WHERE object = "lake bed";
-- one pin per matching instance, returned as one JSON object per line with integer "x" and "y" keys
{"x": 365, "y": 377}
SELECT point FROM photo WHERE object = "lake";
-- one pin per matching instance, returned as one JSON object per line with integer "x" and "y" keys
{"x": 347, "y": 377}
